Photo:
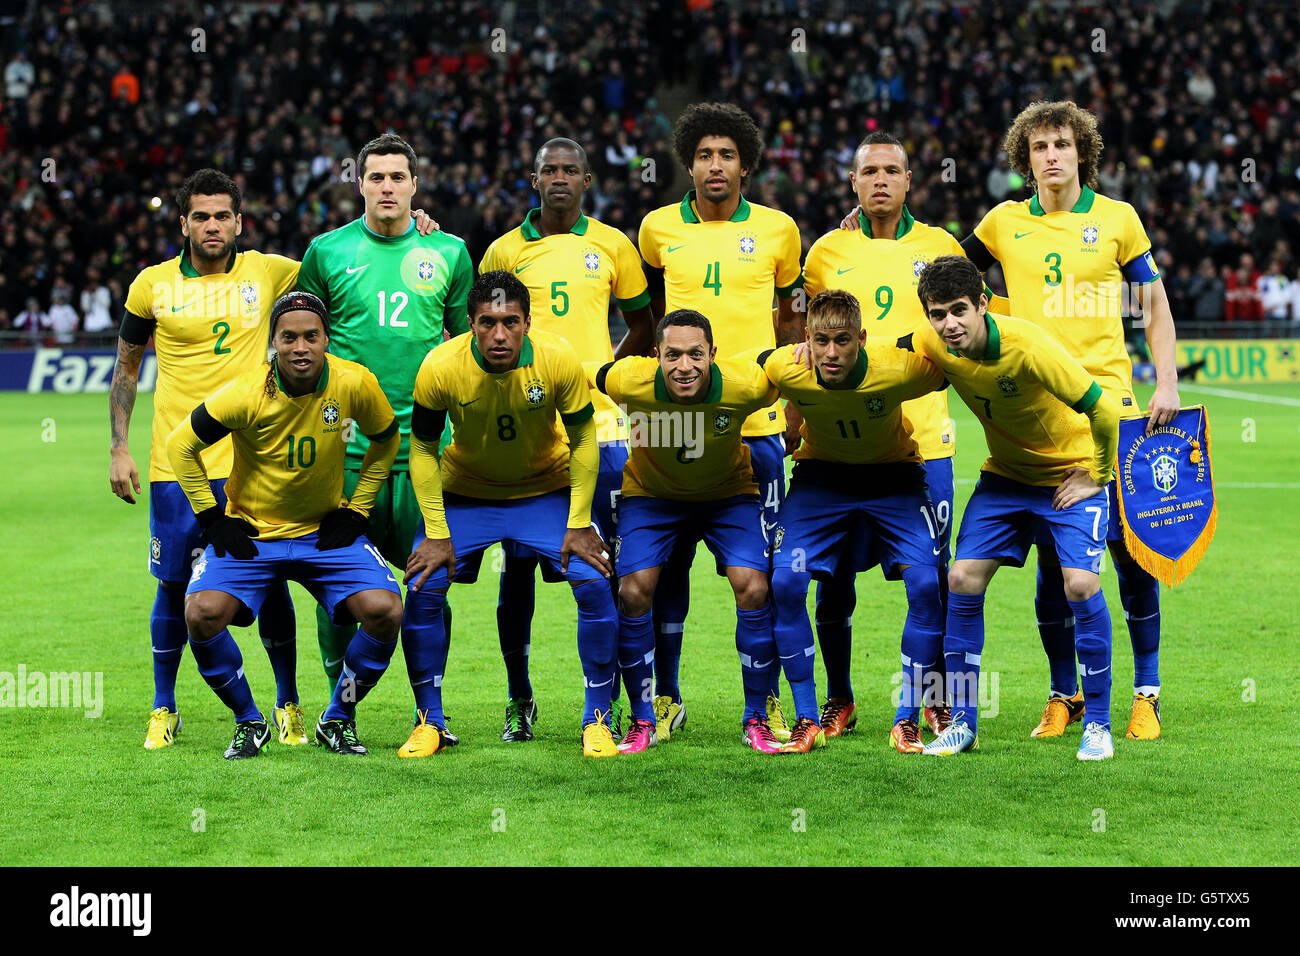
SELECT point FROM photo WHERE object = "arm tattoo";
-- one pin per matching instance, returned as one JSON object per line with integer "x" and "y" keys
{"x": 126, "y": 373}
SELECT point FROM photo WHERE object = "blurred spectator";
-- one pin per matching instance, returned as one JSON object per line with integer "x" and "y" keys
{"x": 63, "y": 320}
{"x": 96, "y": 304}
{"x": 19, "y": 77}
{"x": 32, "y": 320}
{"x": 1243, "y": 301}
{"x": 1275, "y": 292}
{"x": 1207, "y": 291}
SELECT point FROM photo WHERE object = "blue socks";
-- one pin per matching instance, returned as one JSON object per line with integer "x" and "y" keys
{"x": 515, "y": 603}
{"x": 597, "y": 646}
{"x": 363, "y": 664}
{"x": 759, "y": 665}
{"x": 921, "y": 644}
{"x": 278, "y": 629}
{"x": 425, "y": 645}
{"x": 1139, "y": 593}
{"x": 671, "y": 600}
{"x": 168, "y": 635}
{"x": 794, "y": 637}
{"x": 222, "y": 666}
{"x": 963, "y": 644}
{"x": 1056, "y": 625}
{"x": 636, "y": 656}
{"x": 836, "y": 600}
{"x": 1092, "y": 643}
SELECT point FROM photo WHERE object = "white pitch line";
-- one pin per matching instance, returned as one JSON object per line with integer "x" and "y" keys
{"x": 1245, "y": 396}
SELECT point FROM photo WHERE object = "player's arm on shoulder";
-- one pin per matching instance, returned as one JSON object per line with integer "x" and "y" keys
{"x": 310, "y": 278}
{"x": 133, "y": 336}
{"x": 921, "y": 376}
{"x": 632, "y": 293}
{"x": 455, "y": 315}
{"x": 789, "y": 281}
{"x": 377, "y": 422}
{"x": 653, "y": 268}
{"x": 284, "y": 274}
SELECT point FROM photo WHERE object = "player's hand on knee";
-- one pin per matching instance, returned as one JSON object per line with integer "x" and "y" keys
{"x": 432, "y": 554}
{"x": 340, "y": 528}
{"x": 123, "y": 476}
{"x": 227, "y": 534}
{"x": 1077, "y": 486}
{"x": 585, "y": 543}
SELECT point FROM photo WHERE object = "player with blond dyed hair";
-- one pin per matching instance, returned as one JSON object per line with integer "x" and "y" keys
{"x": 1066, "y": 253}
{"x": 858, "y": 490}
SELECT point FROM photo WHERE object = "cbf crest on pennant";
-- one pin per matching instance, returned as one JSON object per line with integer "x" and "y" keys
{"x": 1166, "y": 493}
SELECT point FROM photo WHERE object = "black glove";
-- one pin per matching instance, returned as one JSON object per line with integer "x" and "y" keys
{"x": 225, "y": 533}
{"x": 340, "y": 528}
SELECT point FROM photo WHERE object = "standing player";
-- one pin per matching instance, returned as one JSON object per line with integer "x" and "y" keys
{"x": 1065, "y": 253}
{"x": 208, "y": 312}
{"x": 689, "y": 477}
{"x": 506, "y": 476}
{"x": 858, "y": 464}
{"x": 1044, "y": 467}
{"x": 286, "y": 490}
{"x": 391, "y": 293}
{"x": 572, "y": 265}
{"x": 878, "y": 263}
{"x": 721, "y": 255}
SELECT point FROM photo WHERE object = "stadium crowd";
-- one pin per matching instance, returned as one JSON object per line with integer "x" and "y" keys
{"x": 102, "y": 114}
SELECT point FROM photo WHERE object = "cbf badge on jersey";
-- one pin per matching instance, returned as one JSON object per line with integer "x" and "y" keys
{"x": 1166, "y": 493}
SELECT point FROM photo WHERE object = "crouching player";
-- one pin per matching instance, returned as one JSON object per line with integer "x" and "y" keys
{"x": 289, "y": 421}
{"x": 506, "y": 476}
{"x": 1046, "y": 464}
{"x": 858, "y": 465}
{"x": 688, "y": 476}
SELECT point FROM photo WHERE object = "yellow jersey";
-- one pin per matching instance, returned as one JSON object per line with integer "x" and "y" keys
{"x": 882, "y": 275}
{"x": 289, "y": 451}
{"x": 506, "y": 437}
{"x": 1064, "y": 272}
{"x": 206, "y": 330}
{"x": 1031, "y": 397}
{"x": 571, "y": 279}
{"x": 862, "y": 423}
{"x": 729, "y": 272}
{"x": 687, "y": 452}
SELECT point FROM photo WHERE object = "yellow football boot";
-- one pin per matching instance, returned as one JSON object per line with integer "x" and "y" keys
{"x": 163, "y": 728}
{"x": 1059, "y": 713}
{"x": 597, "y": 741}
{"x": 1144, "y": 722}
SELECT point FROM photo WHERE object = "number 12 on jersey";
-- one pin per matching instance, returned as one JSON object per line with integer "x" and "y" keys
{"x": 396, "y": 302}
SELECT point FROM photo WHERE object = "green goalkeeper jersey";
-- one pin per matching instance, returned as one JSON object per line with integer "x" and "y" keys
{"x": 390, "y": 300}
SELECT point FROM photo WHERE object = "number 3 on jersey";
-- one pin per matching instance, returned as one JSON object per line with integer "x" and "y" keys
{"x": 389, "y": 312}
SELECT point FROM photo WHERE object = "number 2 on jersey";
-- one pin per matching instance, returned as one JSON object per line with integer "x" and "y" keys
{"x": 397, "y": 301}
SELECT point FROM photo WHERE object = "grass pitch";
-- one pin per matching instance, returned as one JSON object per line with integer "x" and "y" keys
{"x": 81, "y": 791}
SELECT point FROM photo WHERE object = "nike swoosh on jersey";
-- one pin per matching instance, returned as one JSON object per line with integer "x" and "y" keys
{"x": 352, "y": 269}
{"x": 182, "y": 308}
{"x": 840, "y": 272}
{"x": 470, "y": 402}
{"x": 675, "y": 248}
{"x": 522, "y": 268}
{"x": 1021, "y": 235}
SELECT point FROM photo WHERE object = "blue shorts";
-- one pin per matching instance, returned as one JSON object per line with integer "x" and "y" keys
{"x": 828, "y": 525}
{"x": 331, "y": 576}
{"x": 1003, "y": 516}
{"x": 649, "y": 528}
{"x": 175, "y": 539}
{"x": 1114, "y": 525}
{"x": 767, "y": 458}
{"x": 604, "y": 507}
{"x": 534, "y": 526}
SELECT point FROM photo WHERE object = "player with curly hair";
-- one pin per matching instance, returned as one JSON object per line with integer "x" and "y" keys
{"x": 1066, "y": 253}
{"x": 730, "y": 259}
